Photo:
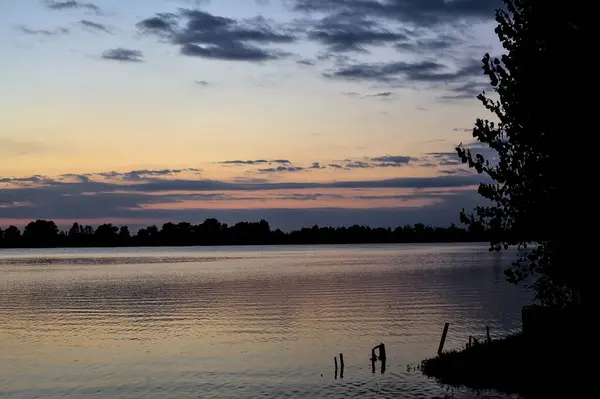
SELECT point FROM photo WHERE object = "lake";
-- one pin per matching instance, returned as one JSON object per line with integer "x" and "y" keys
{"x": 243, "y": 321}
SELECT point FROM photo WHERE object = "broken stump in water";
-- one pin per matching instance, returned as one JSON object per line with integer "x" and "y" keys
{"x": 382, "y": 356}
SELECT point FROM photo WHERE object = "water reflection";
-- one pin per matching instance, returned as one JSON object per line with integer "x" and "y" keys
{"x": 243, "y": 323}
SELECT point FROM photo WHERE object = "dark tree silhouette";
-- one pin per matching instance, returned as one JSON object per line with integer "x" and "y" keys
{"x": 536, "y": 83}
{"x": 74, "y": 231}
{"x": 41, "y": 231}
{"x": 212, "y": 232}
{"x": 11, "y": 237}
{"x": 124, "y": 234}
{"x": 107, "y": 235}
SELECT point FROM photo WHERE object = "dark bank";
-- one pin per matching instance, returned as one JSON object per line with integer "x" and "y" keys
{"x": 542, "y": 360}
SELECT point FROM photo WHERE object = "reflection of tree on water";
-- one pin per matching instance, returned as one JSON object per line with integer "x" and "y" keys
{"x": 382, "y": 356}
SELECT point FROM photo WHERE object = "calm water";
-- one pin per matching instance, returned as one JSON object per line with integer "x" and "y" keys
{"x": 242, "y": 322}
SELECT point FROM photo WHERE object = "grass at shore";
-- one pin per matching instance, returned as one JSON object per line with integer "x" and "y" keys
{"x": 514, "y": 364}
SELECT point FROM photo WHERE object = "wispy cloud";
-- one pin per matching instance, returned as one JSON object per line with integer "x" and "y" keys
{"x": 72, "y": 4}
{"x": 96, "y": 26}
{"x": 413, "y": 12}
{"x": 420, "y": 71}
{"x": 306, "y": 62}
{"x": 44, "y": 32}
{"x": 343, "y": 32}
{"x": 385, "y": 161}
{"x": 201, "y": 34}
{"x": 385, "y": 95}
{"x": 239, "y": 162}
{"x": 123, "y": 55}
{"x": 280, "y": 169}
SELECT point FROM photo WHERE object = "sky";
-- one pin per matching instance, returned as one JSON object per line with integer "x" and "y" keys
{"x": 300, "y": 112}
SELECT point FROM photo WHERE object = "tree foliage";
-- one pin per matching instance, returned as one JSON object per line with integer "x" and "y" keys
{"x": 42, "y": 233}
{"x": 536, "y": 83}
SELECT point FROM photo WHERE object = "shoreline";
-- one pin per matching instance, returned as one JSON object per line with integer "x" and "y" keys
{"x": 540, "y": 362}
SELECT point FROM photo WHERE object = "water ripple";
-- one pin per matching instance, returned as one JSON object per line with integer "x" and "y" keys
{"x": 242, "y": 322}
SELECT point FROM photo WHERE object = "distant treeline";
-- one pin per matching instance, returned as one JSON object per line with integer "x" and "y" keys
{"x": 45, "y": 234}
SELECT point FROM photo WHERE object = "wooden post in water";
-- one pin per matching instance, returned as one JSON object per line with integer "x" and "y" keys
{"x": 487, "y": 330}
{"x": 336, "y": 366}
{"x": 443, "y": 340}
{"x": 341, "y": 365}
{"x": 382, "y": 354}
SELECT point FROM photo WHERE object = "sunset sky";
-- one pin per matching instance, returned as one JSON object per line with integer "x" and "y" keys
{"x": 302, "y": 112}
